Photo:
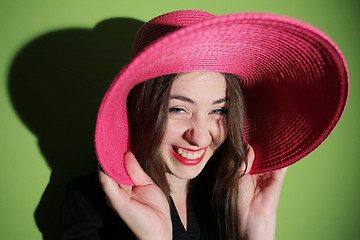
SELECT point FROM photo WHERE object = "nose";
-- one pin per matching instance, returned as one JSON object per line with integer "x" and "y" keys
{"x": 199, "y": 132}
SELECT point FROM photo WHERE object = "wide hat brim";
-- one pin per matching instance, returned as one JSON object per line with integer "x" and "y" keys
{"x": 293, "y": 77}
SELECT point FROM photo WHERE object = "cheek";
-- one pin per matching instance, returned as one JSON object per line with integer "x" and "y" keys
{"x": 174, "y": 131}
{"x": 221, "y": 132}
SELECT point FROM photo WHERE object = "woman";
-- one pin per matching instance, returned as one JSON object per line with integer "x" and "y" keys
{"x": 178, "y": 151}
{"x": 201, "y": 122}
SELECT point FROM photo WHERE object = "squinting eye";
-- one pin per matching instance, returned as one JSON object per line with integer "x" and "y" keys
{"x": 178, "y": 113}
{"x": 220, "y": 111}
{"x": 176, "y": 110}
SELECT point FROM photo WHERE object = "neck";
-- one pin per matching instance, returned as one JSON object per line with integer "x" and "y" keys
{"x": 177, "y": 185}
{"x": 179, "y": 194}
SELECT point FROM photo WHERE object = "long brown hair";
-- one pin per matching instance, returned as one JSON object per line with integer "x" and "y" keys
{"x": 148, "y": 111}
{"x": 226, "y": 187}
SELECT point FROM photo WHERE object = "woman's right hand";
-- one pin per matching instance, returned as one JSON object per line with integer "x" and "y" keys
{"x": 144, "y": 207}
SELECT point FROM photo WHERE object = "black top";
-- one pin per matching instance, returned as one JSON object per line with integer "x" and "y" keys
{"x": 86, "y": 215}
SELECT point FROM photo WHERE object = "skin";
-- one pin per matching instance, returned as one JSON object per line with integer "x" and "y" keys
{"x": 196, "y": 121}
{"x": 259, "y": 197}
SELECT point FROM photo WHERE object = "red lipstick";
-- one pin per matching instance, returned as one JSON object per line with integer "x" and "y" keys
{"x": 185, "y": 161}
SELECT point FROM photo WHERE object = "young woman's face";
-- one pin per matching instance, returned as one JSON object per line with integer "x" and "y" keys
{"x": 196, "y": 124}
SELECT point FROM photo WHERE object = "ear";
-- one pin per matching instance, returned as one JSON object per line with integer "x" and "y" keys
{"x": 250, "y": 158}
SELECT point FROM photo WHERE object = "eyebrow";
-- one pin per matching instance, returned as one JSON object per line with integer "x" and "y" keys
{"x": 186, "y": 99}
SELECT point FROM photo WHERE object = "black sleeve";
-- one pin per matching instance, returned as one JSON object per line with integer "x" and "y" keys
{"x": 85, "y": 214}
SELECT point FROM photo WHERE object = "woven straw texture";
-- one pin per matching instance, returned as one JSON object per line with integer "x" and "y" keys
{"x": 294, "y": 80}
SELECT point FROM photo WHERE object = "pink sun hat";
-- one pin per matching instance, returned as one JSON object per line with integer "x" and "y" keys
{"x": 294, "y": 80}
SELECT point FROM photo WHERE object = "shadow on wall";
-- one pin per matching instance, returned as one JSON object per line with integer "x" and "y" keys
{"x": 56, "y": 84}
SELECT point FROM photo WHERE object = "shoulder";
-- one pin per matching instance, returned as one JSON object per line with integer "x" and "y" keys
{"x": 85, "y": 212}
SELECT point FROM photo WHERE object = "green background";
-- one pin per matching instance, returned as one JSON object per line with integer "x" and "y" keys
{"x": 56, "y": 59}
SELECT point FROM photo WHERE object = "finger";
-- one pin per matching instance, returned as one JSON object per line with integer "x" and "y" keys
{"x": 118, "y": 195}
{"x": 276, "y": 179}
{"x": 104, "y": 181}
{"x": 136, "y": 173}
{"x": 120, "y": 201}
{"x": 279, "y": 175}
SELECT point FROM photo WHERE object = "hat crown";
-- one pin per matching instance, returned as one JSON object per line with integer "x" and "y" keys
{"x": 165, "y": 24}
{"x": 293, "y": 77}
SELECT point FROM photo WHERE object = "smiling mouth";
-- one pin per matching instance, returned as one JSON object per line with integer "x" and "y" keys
{"x": 188, "y": 156}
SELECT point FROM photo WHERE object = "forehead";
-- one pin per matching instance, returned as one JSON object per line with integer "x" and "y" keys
{"x": 199, "y": 85}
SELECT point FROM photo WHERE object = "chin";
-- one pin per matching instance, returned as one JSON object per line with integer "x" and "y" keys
{"x": 186, "y": 174}
{"x": 183, "y": 171}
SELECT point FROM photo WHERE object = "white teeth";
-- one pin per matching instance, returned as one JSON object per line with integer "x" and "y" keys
{"x": 189, "y": 154}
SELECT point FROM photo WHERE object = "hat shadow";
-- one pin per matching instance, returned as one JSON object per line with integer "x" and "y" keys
{"x": 56, "y": 84}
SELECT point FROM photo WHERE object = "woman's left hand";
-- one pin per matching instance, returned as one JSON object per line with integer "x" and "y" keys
{"x": 258, "y": 201}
